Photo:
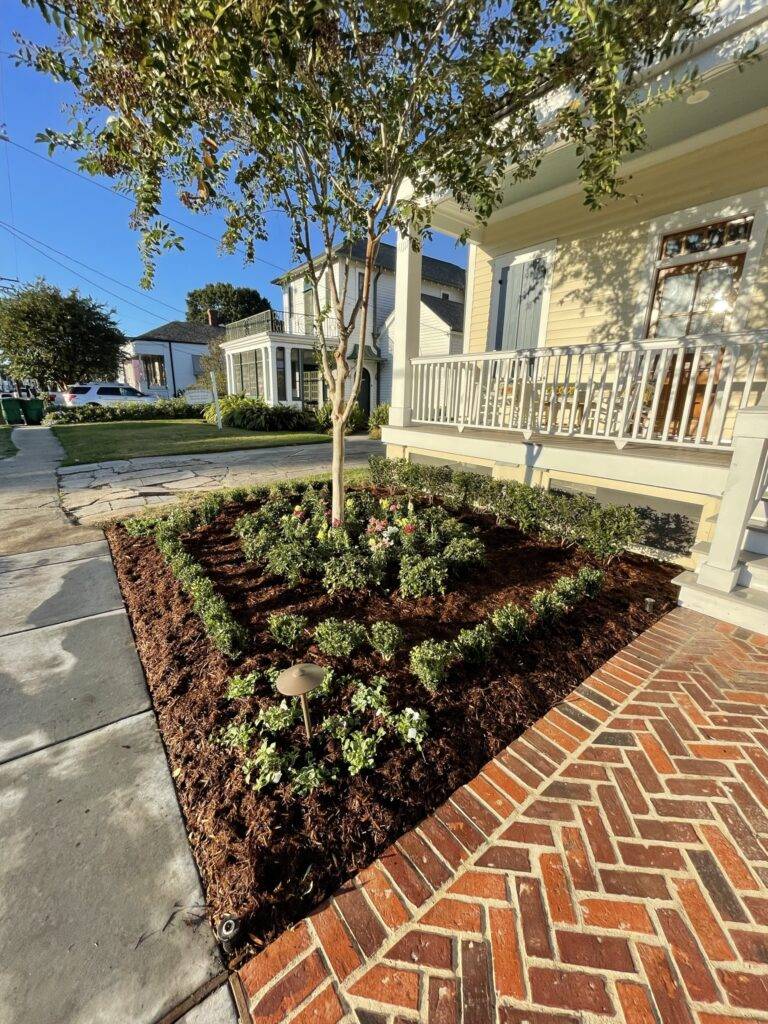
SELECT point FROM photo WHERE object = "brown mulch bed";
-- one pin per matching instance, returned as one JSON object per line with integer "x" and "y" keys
{"x": 272, "y": 857}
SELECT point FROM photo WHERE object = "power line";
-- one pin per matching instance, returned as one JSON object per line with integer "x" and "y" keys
{"x": 95, "y": 270}
{"x": 64, "y": 266}
{"x": 116, "y": 192}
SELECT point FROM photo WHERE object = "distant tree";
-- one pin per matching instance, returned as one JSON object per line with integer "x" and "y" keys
{"x": 58, "y": 339}
{"x": 227, "y": 302}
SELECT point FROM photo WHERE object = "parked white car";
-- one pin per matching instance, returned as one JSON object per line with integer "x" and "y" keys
{"x": 104, "y": 393}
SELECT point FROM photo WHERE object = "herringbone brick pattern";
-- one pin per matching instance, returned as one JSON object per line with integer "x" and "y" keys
{"x": 610, "y": 865}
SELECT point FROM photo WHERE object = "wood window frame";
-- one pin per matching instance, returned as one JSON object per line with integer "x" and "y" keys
{"x": 754, "y": 204}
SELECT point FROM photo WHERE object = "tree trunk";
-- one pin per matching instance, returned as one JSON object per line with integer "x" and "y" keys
{"x": 337, "y": 473}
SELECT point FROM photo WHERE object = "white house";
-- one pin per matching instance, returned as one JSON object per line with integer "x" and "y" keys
{"x": 623, "y": 351}
{"x": 273, "y": 354}
{"x": 168, "y": 359}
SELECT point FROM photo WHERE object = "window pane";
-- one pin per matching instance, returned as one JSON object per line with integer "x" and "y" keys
{"x": 671, "y": 326}
{"x": 280, "y": 364}
{"x": 676, "y": 291}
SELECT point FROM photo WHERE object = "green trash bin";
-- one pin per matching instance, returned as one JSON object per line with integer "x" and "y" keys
{"x": 33, "y": 410}
{"x": 11, "y": 408}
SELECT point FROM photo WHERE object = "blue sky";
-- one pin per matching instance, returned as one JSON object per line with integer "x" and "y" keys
{"x": 86, "y": 223}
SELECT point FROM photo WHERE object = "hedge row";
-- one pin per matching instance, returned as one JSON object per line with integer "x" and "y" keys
{"x": 605, "y": 531}
{"x": 162, "y": 409}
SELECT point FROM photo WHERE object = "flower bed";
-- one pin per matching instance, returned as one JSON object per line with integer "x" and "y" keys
{"x": 445, "y": 631}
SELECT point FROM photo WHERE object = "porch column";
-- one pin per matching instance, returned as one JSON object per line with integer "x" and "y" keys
{"x": 271, "y": 353}
{"x": 405, "y": 329}
{"x": 744, "y": 488}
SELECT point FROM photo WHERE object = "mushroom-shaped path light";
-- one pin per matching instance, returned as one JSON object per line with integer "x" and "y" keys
{"x": 298, "y": 681}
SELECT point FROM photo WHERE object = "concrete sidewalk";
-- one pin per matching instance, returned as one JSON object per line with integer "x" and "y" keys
{"x": 92, "y": 493}
{"x": 101, "y": 909}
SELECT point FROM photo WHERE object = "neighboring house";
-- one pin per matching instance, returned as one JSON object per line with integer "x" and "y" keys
{"x": 169, "y": 359}
{"x": 622, "y": 352}
{"x": 273, "y": 355}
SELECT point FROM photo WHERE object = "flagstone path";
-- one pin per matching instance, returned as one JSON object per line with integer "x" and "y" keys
{"x": 610, "y": 865}
{"x": 101, "y": 490}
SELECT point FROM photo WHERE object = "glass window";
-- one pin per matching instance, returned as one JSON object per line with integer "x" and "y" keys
{"x": 280, "y": 366}
{"x": 237, "y": 373}
{"x": 130, "y": 393}
{"x": 79, "y": 389}
{"x": 198, "y": 366}
{"x": 109, "y": 392}
{"x": 154, "y": 371}
{"x": 697, "y": 278}
{"x": 296, "y": 374}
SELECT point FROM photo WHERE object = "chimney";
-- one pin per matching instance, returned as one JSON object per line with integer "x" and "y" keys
{"x": 213, "y": 319}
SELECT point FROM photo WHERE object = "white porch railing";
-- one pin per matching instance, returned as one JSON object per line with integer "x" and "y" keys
{"x": 272, "y": 321}
{"x": 684, "y": 391}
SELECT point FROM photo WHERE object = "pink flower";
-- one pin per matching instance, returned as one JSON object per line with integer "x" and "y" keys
{"x": 335, "y": 523}
{"x": 299, "y": 512}
{"x": 409, "y": 528}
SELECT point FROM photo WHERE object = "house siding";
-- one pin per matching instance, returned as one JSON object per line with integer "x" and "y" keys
{"x": 600, "y": 274}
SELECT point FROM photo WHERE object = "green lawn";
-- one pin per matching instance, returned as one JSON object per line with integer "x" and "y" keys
{"x": 102, "y": 442}
{"x": 7, "y": 447}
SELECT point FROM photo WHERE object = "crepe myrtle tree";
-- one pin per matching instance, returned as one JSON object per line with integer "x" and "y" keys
{"x": 351, "y": 117}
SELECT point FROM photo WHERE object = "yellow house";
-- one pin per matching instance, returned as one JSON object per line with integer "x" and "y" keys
{"x": 623, "y": 351}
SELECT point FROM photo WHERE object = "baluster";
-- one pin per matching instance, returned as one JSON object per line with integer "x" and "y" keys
{"x": 645, "y": 357}
{"x": 750, "y": 377}
{"x": 690, "y": 394}
{"x": 679, "y": 357}
{"x": 576, "y": 390}
{"x": 661, "y": 372}
{"x": 729, "y": 358}
{"x": 709, "y": 393}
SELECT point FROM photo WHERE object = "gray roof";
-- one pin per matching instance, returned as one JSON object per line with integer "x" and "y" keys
{"x": 451, "y": 313}
{"x": 437, "y": 271}
{"x": 183, "y": 331}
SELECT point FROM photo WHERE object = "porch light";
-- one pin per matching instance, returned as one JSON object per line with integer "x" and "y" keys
{"x": 298, "y": 681}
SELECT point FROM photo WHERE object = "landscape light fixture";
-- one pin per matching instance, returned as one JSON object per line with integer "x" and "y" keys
{"x": 650, "y": 603}
{"x": 298, "y": 681}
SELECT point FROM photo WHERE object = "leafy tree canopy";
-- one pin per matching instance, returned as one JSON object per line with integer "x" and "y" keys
{"x": 227, "y": 301}
{"x": 351, "y": 116}
{"x": 58, "y": 339}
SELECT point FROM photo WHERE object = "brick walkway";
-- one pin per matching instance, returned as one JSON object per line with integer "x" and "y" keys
{"x": 611, "y": 864}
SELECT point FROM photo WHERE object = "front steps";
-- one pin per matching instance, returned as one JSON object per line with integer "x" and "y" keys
{"x": 747, "y": 604}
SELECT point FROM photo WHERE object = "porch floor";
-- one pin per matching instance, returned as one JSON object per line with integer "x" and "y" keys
{"x": 610, "y": 864}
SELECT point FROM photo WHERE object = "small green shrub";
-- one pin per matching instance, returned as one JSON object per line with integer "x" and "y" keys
{"x": 569, "y": 589}
{"x": 359, "y": 750}
{"x": 464, "y": 553}
{"x": 309, "y": 777}
{"x": 510, "y": 621}
{"x": 548, "y": 605}
{"x": 236, "y": 735}
{"x": 592, "y": 581}
{"x": 411, "y": 726}
{"x": 379, "y": 418}
{"x": 371, "y": 697}
{"x": 242, "y": 686}
{"x": 279, "y": 717}
{"x": 339, "y": 637}
{"x": 346, "y": 573}
{"x": 246, "y": 413}
{"x": 423, "y": 577}
{"x": 386, "y": 638}
{"x": 266, "y": 767}
{"x": 475, "y": 645}
{"x": 287, "y": 629}
{"x": 431, "y": 660}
